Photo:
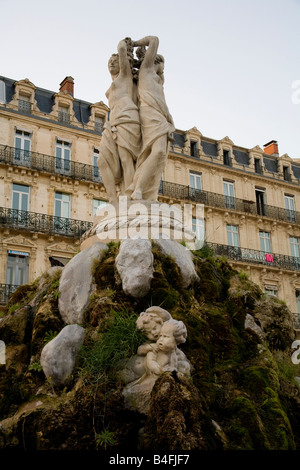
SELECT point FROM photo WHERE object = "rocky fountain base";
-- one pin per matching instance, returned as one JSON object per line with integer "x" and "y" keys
{"x": 134, "y": 264}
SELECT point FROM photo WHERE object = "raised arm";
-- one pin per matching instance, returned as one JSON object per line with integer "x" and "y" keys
{"x": 125, "y": 68}
{"x": 152, "y": 42}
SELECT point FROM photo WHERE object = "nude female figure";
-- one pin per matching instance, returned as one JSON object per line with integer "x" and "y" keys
{"x": 156, "y": 123}
{"x": 121, "y": 138}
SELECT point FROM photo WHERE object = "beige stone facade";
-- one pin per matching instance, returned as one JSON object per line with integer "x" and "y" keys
{"x": 50, "y": 188}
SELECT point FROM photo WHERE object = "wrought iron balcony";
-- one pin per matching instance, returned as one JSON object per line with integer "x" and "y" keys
{"x": 43, "y": 223}
{"x": 5, "y": 291}
{"x": 49, "y": 164}
{"x": 82, "y": 171}
{"x": 257, "y": 257}
{"x": 178, "y": 191}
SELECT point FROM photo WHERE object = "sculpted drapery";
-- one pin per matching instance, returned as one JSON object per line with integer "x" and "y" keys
{"x": 135, "y": 140}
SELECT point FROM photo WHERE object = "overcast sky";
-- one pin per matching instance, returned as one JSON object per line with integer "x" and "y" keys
{"x": 232, "y": 66}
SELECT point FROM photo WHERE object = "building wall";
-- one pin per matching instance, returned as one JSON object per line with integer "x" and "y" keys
{"x": 207, "y": 163}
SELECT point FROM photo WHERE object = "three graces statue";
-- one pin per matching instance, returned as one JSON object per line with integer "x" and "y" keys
{"x": 134, "y": 145}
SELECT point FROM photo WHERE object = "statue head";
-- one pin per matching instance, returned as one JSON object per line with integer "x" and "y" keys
{"x": 151, "y": 321}
{"x": 172, "y": 333}
{"x": 114, "y": 65}
{"x": 159, "y": 64}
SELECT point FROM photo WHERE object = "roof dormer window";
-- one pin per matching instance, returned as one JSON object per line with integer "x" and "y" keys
{"x": 227, "y": 158}
{"x": 24, "y": 104}
{"x": 258, "y": 166}
{"x": 286, "y": 173}
{"x": 194, "y": 149}
{"x": 63, "y": 114}
{"x": 2, "y": 92}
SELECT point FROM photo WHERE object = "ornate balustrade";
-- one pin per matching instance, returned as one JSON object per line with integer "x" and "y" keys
{"x": 255, "y": 256}
{"x": 5, "y": 291}
{"x": 35, "y": 222}
{"x": 82, "y": 171}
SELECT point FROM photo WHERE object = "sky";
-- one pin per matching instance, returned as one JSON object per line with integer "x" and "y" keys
{"x": 232, "y": 67}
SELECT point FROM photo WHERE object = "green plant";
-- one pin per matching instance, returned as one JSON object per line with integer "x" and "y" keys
{"x": 50, "y": 335}
{"x": 288, "y": 369}
{"x": 36, "y": 366}
{"x": 13, "y": 308}
{"x": 243, "y": 276}
{"x": 205, "y": 251}
{"x": 120, "y": 341}
{"x": 105, "y": 438}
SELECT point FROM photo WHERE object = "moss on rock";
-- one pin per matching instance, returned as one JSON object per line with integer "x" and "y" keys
{"x": 239, "y": 395}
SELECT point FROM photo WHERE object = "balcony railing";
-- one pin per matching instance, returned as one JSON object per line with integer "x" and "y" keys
{"x": 48, "y": 164}
{"x": 82, "y": 171}
{"x": 178, "y": 191}
{"x": 43, "y": 223}
{"x": 5, "y": 291}
{"x": 258, "y": 257}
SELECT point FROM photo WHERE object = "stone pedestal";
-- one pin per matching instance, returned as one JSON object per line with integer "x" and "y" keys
{"x": 140, "y": 219}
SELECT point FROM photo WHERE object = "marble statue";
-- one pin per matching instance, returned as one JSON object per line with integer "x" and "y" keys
{"x": 121, "y": 139}
{"x": 156, "y": 123}
{"x": 160, "y": 354}
{"x": 134, "y": 145}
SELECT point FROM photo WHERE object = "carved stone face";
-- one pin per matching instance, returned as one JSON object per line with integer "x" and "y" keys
{"x": 152, "y": 328}
{"x": 113, "y": 65}
{"x": 159, "y": 68}
{"x": 166, "y": 341}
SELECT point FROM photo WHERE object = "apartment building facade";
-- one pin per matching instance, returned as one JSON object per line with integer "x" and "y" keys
{"x": 51, "y": 188}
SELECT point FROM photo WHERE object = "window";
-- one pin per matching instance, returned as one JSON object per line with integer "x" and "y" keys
{"x": 20, "y": 197}
{"x": 96, "y": 204}
{"x": 265, "y": 241}
{"x": 294, "y": 247}
{"x": 161, "y": 185}
{"x": 20, "y": 204}
{"x": 286, "y": 173}
{"x": 195, "y": 182}
{"x": 260, "y": 201}
{"x": 226, "y": 158}
{"x": 22, "y": 147}
{"x": 271, "y": 290}
{"x": 199, "y": 229}
{"x": 96, "y": 174}
{"x": 17, "y": 268}
{"x": 2, "y": 92}
{"x": 62, "y": 157}
{"x": 194, "y": 149}
{"x": 63, "y": 114}
{"x": 257, "y": 165}
{"x": 24, "y": 104}
{"x": 62, "y": 203}
{"x": 298, "y": 303}
{"x": 290, "y": 208}
{"x": 99, "y": 122}
{"x": 233, "y": 235}
{"x": 229, "y": 194}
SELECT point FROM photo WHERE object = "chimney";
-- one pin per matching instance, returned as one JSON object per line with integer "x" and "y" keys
{"x": 67, "y": 85}
{"x": 271, "y": 148}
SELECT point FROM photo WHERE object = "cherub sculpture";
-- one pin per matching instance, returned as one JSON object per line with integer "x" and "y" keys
{"x": 160, "y": 354}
